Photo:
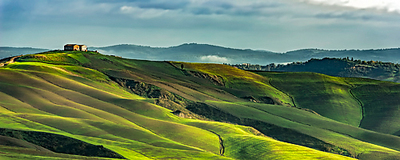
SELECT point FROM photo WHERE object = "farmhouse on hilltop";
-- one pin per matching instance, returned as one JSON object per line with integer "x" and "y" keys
{"x": 75, "y": 47}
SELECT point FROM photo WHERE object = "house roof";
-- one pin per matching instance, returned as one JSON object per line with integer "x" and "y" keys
{"x": 70, "y": 45}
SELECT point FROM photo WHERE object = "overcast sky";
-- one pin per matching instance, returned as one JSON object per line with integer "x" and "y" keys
{"x": 273, "y": 25}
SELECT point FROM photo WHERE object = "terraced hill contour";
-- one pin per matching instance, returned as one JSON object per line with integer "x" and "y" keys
{"x": 172, "y": 110}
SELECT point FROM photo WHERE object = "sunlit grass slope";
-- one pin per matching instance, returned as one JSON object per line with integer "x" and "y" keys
{"x": 327, "y": 95}
{"x": 243, "y": 143}
{"x": 355, "y": 140}
{"x": 72, "y": 107}
{"x": 239, "y": 82}
{"x": 71, "y": 94}
{"x": 330, "y": 97}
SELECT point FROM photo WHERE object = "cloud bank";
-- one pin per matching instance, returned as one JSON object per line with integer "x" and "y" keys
{"x": 381, "y": 5}
{"x": 214, "y": 59}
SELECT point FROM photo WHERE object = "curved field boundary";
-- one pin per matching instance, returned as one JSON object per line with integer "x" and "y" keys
{"x": 358, "y": 100}
{"x": 221, "y": 142}
{"x": 270, "y": 83}
{"x": 361, "y": 104}
{"x": 291, "y": 97}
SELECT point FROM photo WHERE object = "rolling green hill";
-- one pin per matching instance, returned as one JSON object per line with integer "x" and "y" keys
{"x": 118, "y": 108}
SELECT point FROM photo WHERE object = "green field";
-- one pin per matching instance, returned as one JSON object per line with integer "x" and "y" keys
{"x": 176, "y": 110}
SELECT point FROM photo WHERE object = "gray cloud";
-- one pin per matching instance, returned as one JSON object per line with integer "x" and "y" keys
{"x": 344, "y": 15}
{"x": 165, "y": 5}
{"x": 231, "y": 8}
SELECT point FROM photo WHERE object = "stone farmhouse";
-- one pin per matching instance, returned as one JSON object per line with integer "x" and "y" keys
{"x": 75, "y": 47}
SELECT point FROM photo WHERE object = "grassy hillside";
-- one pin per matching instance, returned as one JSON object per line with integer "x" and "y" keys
{"x": 176, "y": 110}
{"x": 381, "y": 103}
{"x": 370, "y": 104}
{"x": 56, "y": 93}
{"x": 326, "y": 95}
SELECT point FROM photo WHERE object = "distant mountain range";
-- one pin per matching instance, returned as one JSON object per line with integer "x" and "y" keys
{"x": 14, "y": 51}
{"x": 209, "y": 53}
{"x": 193, "y": 52}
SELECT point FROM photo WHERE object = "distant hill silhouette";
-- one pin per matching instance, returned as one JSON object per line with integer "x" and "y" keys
{"x": 14, "y": 51}
{"x": 193, "y": 52}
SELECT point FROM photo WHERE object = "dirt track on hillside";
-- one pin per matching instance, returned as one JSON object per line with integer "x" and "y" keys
{"x": 9, "y": 60}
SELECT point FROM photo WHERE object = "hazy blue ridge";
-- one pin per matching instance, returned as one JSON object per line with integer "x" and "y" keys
{"x": 13, "y": 51}
{"x": 210, "y": 53}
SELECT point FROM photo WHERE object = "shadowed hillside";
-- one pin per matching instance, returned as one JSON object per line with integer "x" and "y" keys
{"x": 175, "y": 110}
